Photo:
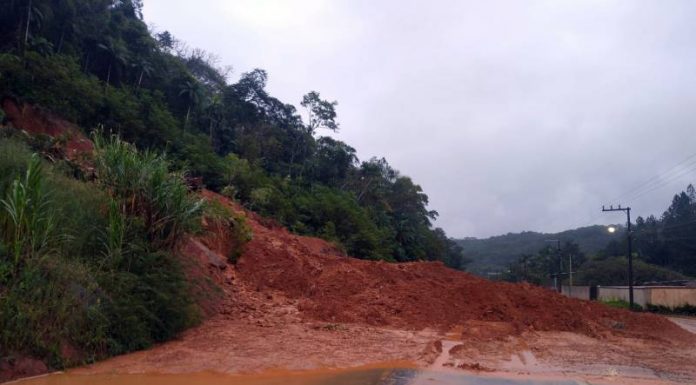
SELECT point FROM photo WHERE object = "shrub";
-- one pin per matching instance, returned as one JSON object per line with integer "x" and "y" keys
{"x": 95, "y": 283}
{"x": 687, "y": 310}
{"x": 46, "y": 289}
{"x": 146, "y": 301}
{"x": 621, "y": 304}
{"x": 14, "y": 158}
{"x": 241, "y": 233}
{"x": 50, "y": 303}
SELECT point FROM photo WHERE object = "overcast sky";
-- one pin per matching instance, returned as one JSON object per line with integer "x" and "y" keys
{"x": 512, "y": 115}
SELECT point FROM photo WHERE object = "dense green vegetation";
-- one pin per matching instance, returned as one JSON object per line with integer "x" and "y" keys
{"x": 97, "y": 64}
{"x": 495, "y": 254}
{"x": 614, "y": 271}
{"x": 686, "y": 310}
{"x": 88, "y": 267}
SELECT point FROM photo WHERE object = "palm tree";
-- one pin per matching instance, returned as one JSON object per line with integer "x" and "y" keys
{"x": 214, "y": 107}
{"x": 34, "y": 15}
{"x": 192, "y": 91}
{"x": 116, "y": 53}
{"x": 26, "y": 27}
{"x": 145, "y": 69}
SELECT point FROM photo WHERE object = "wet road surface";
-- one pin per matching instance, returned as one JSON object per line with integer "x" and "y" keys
{"x": 346, "y": 377}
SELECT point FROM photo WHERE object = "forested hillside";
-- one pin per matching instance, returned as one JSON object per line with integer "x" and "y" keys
{"x": 97, "y": 64}
{"x": 495, "y": 254}
{"x": 668, "y": 240}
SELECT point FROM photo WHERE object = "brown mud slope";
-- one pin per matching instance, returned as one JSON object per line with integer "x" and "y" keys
{"x": 334, "y": 288}
{"x": 36, "y": 121}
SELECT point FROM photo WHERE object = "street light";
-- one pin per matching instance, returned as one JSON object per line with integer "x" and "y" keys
{"x": 630, "y": 252}
{"x": 611, "y": 229}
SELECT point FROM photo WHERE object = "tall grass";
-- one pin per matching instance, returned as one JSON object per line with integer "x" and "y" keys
{"x": 147, "y": 189}
{"x": 115, "y": 235}
{"x": 28, "y": 222}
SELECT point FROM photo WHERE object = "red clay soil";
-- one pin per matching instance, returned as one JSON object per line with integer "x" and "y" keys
{"x": 334, "y": 288}
{"x": 37, "y": 121}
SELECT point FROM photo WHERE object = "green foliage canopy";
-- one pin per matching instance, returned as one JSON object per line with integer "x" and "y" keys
{"x": 97, "y": 64}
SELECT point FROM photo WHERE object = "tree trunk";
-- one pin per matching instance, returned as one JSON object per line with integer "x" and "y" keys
{"x": 304, "y": 159}
{"x": 108, "y": 75}
{"x": 188, "y": 111}
{"x": 60, "y": 42}
{"x": 140, "y": 78}
{"x": 292, "y": 157}
{"x": 26, "y": 28}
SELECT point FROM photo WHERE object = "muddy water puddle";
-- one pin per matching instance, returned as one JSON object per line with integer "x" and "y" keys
{"x": 390, "y": 376}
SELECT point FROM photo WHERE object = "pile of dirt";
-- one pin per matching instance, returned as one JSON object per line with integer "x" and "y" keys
{"x": 333, "y": 288}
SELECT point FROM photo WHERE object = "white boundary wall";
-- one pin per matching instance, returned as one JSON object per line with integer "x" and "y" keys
{"x": 580, "y": 292}
{"x": 669, "y": 296}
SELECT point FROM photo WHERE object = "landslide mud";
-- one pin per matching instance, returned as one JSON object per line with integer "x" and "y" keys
{"x": 295, "y": 303}
{"x": 333, "y": 288}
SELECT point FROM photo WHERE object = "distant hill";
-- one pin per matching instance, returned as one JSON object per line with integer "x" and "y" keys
{"x": 496, "y": 253}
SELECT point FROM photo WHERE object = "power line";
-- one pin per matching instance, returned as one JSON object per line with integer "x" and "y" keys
{"x": 651, "y": 184}
{"x": 664, "y": 182}
{"x": 691, "y": 159}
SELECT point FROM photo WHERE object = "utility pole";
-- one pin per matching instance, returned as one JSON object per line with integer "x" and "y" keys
{"x": 630, "y": 251}
{"x": 570, "y": 274}
{"x": 557, "y": 280}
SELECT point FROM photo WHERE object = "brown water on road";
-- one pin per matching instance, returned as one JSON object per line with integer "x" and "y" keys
{"x": 366, "y": 377}
{"x": 377, "y": 376}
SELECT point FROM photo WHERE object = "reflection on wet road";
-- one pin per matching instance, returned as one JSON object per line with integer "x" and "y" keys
{"x": 345, "y": 377}
{"x": 412, "y": 377}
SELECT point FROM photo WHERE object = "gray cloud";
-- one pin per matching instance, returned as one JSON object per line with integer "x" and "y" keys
{"x": 512, "y": 115}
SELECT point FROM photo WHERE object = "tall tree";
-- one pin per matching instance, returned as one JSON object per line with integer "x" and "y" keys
{"x": 214, "y": 111}
{"x": 321, "y": 113}
{"x": 192, "y": 91}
